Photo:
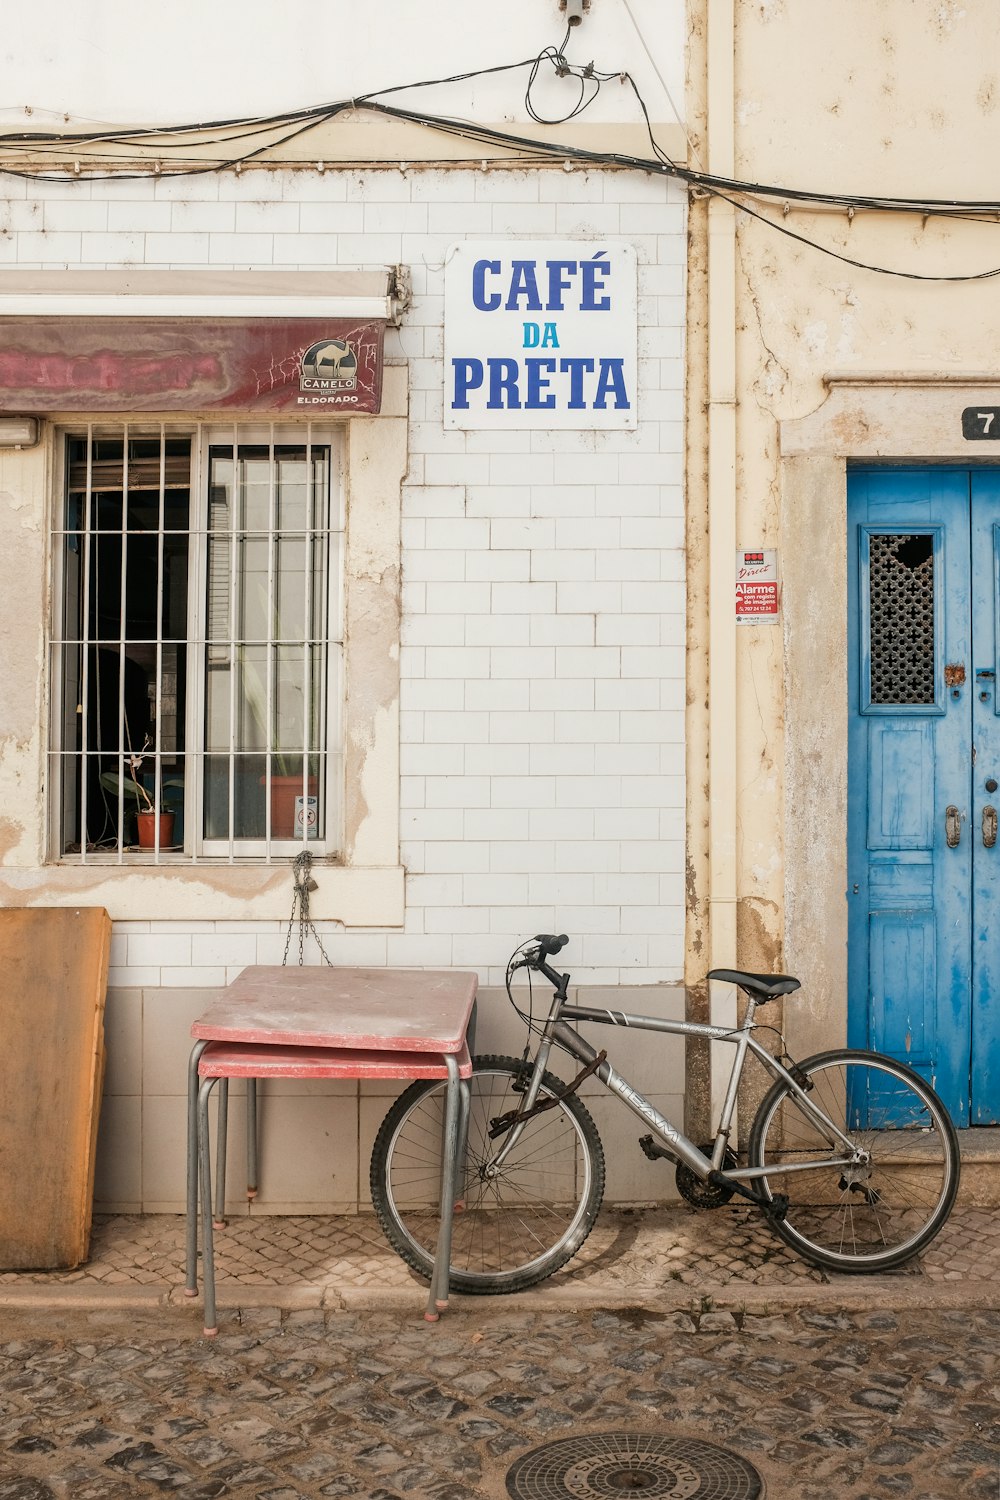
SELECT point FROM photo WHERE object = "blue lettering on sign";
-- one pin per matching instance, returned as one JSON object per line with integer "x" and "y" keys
{"x": 512, "y": 385}
{"x": 611, "y": 377}
{"x": 537, "y": 383}
{"x": 559, "y": 282}
{"x": 576, "y": 369}
{"x": 523, "y": 294}
{"x": 479, "y": 298}
{"x": 523, "y": 283}
{"x": 593, "y": 273}
{"x": 537, "y": 335}
{"x": 530, "y": 382}
{"x": 503, "y": 382}
{"x": 468, "y": 377}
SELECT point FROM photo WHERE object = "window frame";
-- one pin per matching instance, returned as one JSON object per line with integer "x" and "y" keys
{"x": 364, "y": 887}
{"x": 203, "y": 437}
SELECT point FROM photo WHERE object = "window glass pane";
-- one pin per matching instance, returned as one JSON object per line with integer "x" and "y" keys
{"x": 218, "y": 703}
{"x": 294, "y": 814}
{"x": 303, "y": 489}
{"x": 244, "y": 778}
{"x": 260, "y": 680}
{"x": 253, "y": 613}
{"x": 122, "y": 652}
{"x": 253, "y": 505}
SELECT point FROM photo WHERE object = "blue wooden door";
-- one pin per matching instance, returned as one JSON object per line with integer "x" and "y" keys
{"x": 923, "y": 774}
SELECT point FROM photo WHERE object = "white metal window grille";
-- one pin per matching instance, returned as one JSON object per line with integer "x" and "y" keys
{"x": 197, "y": 652}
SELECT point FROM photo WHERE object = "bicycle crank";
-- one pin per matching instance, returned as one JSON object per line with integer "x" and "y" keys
{"x": 702, "y": 1192}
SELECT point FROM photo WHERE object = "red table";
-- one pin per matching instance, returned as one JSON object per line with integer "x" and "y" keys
{"x": 328, "y": 1022}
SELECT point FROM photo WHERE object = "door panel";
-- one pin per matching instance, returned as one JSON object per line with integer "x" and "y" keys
{"x": 910, "y": 758}
{"x": 902, "y": 942}
{"x": 985, "y": 1050}
{"x": 900, "y": 784}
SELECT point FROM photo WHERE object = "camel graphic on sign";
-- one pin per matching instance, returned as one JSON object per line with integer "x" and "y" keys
{"x": 332, "y": 363}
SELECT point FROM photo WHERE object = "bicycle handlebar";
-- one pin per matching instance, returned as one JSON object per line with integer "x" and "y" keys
{"x": 549, "y": 944}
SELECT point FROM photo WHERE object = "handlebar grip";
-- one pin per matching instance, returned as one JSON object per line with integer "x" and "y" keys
{"x": 550, "y": 944}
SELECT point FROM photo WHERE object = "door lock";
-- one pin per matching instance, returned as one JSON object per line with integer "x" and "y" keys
{"x": 952, "y": 826}
{"x": 989, "y": 827}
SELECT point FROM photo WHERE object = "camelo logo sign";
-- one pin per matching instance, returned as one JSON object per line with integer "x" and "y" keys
{"x": 328, "y": 370}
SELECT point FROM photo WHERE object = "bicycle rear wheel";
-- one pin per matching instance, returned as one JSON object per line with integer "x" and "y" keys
{"x": 511, "y": 1229}
{"x": 874, "y": 1207}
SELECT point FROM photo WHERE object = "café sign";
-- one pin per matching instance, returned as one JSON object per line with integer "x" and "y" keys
{"x": 540, "y": 334}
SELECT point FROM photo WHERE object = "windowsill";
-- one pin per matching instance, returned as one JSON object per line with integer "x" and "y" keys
{"x": 173, "y": 858}
{"x": 211, "y": 890}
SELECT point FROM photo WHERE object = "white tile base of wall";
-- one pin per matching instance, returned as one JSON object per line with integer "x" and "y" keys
{"x": 316, "y": 1136}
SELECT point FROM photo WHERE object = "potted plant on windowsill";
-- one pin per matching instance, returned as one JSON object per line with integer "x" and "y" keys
{"x": 138, "y": 800}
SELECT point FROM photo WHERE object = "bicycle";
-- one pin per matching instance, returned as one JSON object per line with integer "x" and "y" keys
{"x": 852, "y": 1158}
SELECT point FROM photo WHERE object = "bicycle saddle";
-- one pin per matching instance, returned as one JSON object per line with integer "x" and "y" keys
{"x": 762, "y": 986}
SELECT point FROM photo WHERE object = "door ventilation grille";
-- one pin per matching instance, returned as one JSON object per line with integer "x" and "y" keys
{"x": 902, "y": 618}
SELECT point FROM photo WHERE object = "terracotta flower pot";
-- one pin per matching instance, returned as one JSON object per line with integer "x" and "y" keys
{"x": 284, "y": 791}
{"x": 146, "y": 824}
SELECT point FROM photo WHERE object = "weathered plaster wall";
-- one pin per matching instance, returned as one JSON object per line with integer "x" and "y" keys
{"x": 868, "y": 98}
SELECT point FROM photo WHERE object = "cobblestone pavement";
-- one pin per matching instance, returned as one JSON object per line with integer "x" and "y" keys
{"x": 641, "y": 1255}
{"x": 283, "y": 1406}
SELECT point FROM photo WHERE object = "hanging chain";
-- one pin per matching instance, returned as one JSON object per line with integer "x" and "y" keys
{"x": 304, "y": 883}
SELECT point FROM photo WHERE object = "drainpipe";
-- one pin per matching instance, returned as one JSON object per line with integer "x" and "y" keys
{"x": 721, "y": 531}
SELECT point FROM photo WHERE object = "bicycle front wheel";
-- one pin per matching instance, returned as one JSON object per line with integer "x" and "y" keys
{"x": 515, "y": 1222}
{"x": 879, "y": 1202}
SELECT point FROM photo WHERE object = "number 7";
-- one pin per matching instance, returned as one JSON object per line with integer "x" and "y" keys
{"x": 986, "y": 417}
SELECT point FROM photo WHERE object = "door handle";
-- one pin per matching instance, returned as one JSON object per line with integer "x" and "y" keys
{"x": 989, "y": 827}
{"x": 952, "y": 826}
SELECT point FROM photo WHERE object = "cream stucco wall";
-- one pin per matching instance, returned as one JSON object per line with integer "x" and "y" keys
{"x": 886, "y": 98}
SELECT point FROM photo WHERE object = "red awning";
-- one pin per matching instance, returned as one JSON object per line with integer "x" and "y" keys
{"x": 157, "y": 341}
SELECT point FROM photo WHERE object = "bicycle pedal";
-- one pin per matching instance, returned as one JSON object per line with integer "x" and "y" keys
{"x": 776, "y": 1208}
{"x": 649, "y": 1148}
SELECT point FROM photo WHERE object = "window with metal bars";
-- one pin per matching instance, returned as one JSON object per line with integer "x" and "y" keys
{"x": 198, "y": 644}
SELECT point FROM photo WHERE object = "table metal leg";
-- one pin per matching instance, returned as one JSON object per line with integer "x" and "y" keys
{"x": 251, "y": 1139}
{"x": 191, "y": 1251}
{"x": 461, "y": 1146}
{"x": 437, "y": 1299}
{"x": 221, "y": 1142}
{"x": 208, "y": 1244}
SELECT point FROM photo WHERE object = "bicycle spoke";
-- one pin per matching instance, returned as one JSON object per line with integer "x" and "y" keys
{"x": 885, "y": 1200}
{"x": 525, "y": 1211}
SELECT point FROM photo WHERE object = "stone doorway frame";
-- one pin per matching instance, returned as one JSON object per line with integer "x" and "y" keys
{"x": 882, "y": 418}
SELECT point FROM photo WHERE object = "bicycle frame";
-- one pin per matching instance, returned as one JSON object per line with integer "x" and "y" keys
{"x": 556, "y": 1032}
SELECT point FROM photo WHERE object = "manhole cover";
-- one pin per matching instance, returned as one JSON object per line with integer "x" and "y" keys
{"x": 632, "y": 1463}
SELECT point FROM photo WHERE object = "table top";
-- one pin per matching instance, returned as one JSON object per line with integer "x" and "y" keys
{"x": 418, "y": 1010}
{"x": 237, "y": 1060}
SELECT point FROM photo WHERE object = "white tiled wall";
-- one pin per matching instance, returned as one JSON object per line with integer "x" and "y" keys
{"x": 542, "y": 650}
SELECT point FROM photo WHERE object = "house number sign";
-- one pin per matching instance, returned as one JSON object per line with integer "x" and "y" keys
{"x": 980, "y": 423}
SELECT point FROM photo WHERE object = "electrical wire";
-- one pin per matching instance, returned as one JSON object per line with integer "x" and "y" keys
{"x": 849, "y": 260}
{"x": 662, "y": 81}
{"x": 297, "y": 123}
